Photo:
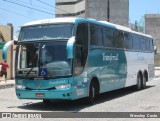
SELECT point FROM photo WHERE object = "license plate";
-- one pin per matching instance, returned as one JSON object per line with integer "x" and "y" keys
{"x": 40, "y": 95}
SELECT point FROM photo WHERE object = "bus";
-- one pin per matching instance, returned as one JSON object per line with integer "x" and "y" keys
{"x": 73, "y": 58}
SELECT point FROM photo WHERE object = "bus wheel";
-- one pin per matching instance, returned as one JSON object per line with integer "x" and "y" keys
{"x": 45, "y": 101}
{"x": 144, "y": 82}
{"x": 139, "y": 82}
{"x": 92, "y": 93}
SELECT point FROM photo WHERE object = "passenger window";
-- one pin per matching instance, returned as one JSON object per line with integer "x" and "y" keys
{"x": 128, "y": 41}
{"x": 119, "y": 39}
{"x": 136, "y": 43}
{"x": 151, "y": 45}
{"x": 96, "y": 35}
{"x": 143, "y": 44}
{"x": 147, "y": 45}
{"x": 108, "y": 38}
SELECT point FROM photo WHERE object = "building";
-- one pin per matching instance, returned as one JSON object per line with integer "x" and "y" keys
{"x": 114, "y": 11}
{"x": 6, "y": 34}
{"x": 152, "y": 27}
{"x": 70, "y": 8}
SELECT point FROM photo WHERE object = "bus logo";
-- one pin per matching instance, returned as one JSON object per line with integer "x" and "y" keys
{"x": 110, "y": 57}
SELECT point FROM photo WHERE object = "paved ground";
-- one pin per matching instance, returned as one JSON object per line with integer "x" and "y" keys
{"x": 7, "y": 84}
{"x": 124, "y": 100}
{"x": 157, "y": 71}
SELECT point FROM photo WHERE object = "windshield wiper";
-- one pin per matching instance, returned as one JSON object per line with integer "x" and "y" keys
{"x": 32, "y": 65}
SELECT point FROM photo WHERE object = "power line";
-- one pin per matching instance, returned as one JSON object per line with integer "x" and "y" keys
{"x": 33, "y": 5}
{"x": 15, "y": 13}
{"x": 29, "y": 7}
{"x": 31, "y": 2}
{"x": 53, "y": 6}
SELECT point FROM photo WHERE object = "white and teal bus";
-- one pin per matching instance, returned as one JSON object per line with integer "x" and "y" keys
{"x": 73, "y": 58}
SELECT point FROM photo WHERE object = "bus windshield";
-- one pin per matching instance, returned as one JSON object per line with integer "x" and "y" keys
{"x": 47, "y": 59}
{"x": 46, "y": 32}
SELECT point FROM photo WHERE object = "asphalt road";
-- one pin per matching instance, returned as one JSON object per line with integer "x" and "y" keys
{"x": 123, "y": 100}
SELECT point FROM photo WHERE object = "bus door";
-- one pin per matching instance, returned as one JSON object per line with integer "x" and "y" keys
{"x": 81, "y": 53}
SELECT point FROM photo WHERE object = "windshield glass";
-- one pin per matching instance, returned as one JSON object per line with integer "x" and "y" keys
{"x": 43, "y": 60}
{"x": 46, "y": 32}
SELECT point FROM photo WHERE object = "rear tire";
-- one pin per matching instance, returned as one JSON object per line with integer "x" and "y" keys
{"x": 144, "y": 82}
{"x": 139, "y": 82}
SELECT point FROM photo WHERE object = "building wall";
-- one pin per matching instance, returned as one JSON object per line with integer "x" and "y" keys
{"x": 7, "y": 32}
{"x": 119, "y": 12}
{"x": 115, "y": 11}
{"x": 69, "y": 8}
{"x": 97, "y": 9}
{"x": 152, "y": 27}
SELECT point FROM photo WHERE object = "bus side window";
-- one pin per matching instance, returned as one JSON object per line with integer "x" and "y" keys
{"x": 128, "y": 41}
{"x": 147, "y": 45}
{"x": 119, "y": 39}
{"x": 151, "y": 45}
{"x": 81, "y": 48}
{"x": 108, "y": 38}
{"x": 96, "y": 35}
{"x": 143, "y": 44}
{"x": 136, "y": 43}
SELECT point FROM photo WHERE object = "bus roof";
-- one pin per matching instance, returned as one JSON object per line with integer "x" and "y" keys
{"x": 123, "y": 28}
{"x": 76, "y": 19}
{"x": 50, "y": 21}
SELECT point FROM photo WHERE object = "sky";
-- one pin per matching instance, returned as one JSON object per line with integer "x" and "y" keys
{"x": 137, "y": 8}
{"x": 19, "y": 12}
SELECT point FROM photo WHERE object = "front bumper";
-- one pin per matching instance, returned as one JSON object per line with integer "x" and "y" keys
{"x": 57, "y": 94}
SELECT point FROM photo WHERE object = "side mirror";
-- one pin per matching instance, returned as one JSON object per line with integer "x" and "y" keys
{"x": 70, "y": 47}
{"x": 5, "y": 48}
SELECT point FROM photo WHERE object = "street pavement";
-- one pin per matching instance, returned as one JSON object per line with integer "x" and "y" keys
{"x": 7, "y": 84}
{"x": 10, "y": 83}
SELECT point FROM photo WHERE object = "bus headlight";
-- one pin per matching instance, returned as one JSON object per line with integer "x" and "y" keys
{"x": 19, "y": 86}
{"x": 63, "y": 86}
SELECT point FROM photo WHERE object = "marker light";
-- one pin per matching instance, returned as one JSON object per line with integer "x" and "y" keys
{"x": 63, "y": 86}
{"x": 19, "y": 86}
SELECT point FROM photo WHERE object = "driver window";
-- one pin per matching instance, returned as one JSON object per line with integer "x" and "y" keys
{"x": 81, "y": 48}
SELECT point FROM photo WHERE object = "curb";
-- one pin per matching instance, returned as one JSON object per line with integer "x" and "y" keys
{"x": 7, "y": 86}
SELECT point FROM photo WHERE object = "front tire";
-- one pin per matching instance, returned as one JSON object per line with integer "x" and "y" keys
{"x": 92, "y": 93}
{"x": 45, "y": 101}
